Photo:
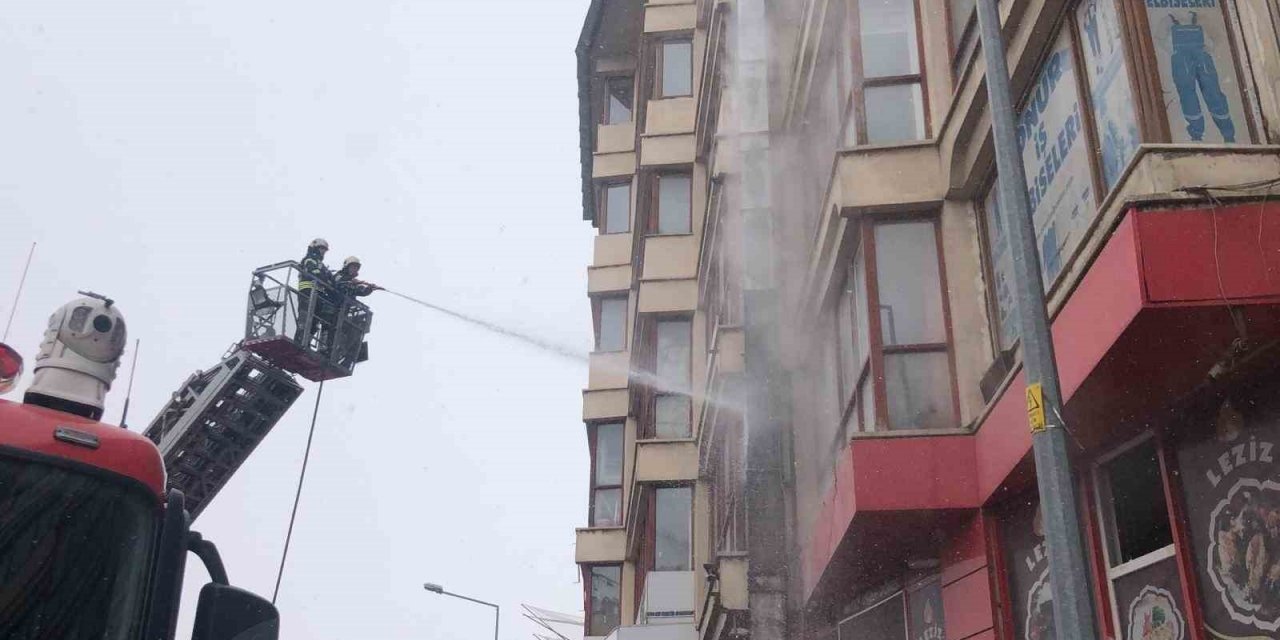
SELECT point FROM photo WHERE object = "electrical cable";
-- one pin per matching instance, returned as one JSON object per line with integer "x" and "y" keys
{"x": 16, "y": 296}
{"x": 298, "y": 496}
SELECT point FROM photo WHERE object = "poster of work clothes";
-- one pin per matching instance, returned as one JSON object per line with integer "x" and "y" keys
{"x": 1107, "y": 75}
{"x": 1231, "y": 480}
{"x": 1201, "y": 90}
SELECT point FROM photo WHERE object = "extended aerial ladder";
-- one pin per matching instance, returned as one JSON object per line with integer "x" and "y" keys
{"x": 213, "y": 422}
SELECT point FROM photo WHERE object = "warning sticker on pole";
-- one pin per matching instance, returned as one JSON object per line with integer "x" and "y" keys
{"x": 1035, "y": 407}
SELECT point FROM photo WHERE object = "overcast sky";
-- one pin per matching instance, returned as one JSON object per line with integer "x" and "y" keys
{"x": 159, "y": 150}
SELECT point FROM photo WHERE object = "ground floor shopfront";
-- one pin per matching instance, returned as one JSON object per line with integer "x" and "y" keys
{"x": 1169, "y": 366}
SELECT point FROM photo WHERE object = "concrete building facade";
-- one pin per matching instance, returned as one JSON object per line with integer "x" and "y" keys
{"x": 805, "y": 410}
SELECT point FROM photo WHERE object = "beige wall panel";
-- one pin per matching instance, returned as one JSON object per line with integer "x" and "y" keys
{"x": 670, "y": 17}
{"x": 668, "y": 296}
{"x": 670, "y": 257}
{"x": 608, "y": 370}
{"x": 670, "y": 115}
{"x": 609, "y": 165}
{"x": 666, "y": 460}
{"x": 666, "y": 150}
{"x": 879, "y": 179}
{"x": 616, "y": 138}
{"x": 970, "y": 331}
{"x": 606, "y": 279}
{"x": 603, "y": 404}
{"x": 596, "y": 546}
{"x": 612, "y": 249}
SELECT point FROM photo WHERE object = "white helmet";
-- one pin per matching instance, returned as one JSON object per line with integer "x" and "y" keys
{"x": 319, "y": 243}
{"x": 350, "y": 261}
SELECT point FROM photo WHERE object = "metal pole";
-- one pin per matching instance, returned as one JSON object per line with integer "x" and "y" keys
{"x": 497, "y": 611}
{"x": 1072, "y": 599}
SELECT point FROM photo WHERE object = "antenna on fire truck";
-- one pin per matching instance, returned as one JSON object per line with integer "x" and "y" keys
{"x": 128, "y": 394}
{"x": 18, "y": 295}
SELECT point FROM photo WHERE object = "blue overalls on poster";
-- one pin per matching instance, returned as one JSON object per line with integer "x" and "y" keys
{"x": 1194, "y": 69}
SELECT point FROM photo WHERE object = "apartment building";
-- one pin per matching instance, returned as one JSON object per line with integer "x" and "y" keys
{"x": 806, "y": 412}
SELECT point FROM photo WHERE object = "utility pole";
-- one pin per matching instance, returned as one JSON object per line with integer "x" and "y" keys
{"x": 1068, "y": 570}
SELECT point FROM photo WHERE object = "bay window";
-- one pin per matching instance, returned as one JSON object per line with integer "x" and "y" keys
{"x": 888, "y": 93}
{"x": 611, "y": 323}
{"x": 673, "y": 68}
{"x": 894, "y": 342}
{"x": 672, "y": 406}
{"x": 672, "y": 528}
{"x": 604, "y": 606}
{"x": 606, "y": 474}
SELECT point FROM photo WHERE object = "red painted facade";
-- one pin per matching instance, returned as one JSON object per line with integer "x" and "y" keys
{"x": 1136, "y": 338}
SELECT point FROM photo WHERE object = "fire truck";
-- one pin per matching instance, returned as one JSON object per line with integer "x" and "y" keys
{"x": 94, "y": 536}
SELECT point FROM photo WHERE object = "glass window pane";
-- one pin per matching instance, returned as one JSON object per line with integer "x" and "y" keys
{"x": 961, "y": 14}
{"x": 607, "y": 509}
{"x": 606, "y": 600}
{"x": 918, "y": 389}
{"x": 609, "y": 453}
{"x": 910, "y": 286}
{"x": 1001, "y": 261}
{"x": 672, "y": 371}
{"x": 674, "y": 203}
{"x": 895, "y": 113}
{"x": 867, "y": 404}
{"x": 677, "y": 68}
{"x": 672, "y": 419}
{"x": 1133, "y": 498}
{"x": 885, "y": 621}
{"x": 847, "y": 310}
{"x": 672, "y": 519}
{"x": 888, "y": 37}
{"x": 620, "y": 101}
{"x": 613, "y": 324}
{"x": 617, "y": 208}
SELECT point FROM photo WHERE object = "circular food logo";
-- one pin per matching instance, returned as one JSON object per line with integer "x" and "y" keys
{"x": 1154, "y": 615}
{"x": 1244, "y": 552}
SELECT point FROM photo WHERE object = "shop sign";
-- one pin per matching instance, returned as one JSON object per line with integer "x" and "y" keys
{"x": 1232, "y": 485}
{"x": 1055, "y": 158}
{"x": 925, "y": 610}
{"x": 1028, "y": 568}
{"x": 1154, "y": 615}
{"x": 1201, "y": 91}
{"x": 1107, "y": 72}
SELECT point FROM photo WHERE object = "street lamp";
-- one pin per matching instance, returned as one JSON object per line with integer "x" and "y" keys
{"x": 435, "y": 588}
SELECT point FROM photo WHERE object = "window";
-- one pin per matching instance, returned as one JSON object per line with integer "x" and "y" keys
{"x": 672, "y": 408}
{"x": 674, "y": 68}
{"x": 606, "y": 475}
{"x": 605, "y": 606}
{"x": 611, "y": 333}
{"x": 888, "y": 89}
{"x": 615, "y": 207}
{"x": 619, "y": 99}
{"x": 915, "y": 612}
{"x": 1136, "y": 530}
{"x": 893, "y": 338}
{"x": 674, "y": 199}
{"x": 673, "y": 509}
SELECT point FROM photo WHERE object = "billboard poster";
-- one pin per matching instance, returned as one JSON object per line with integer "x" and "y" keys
{"x": 1231, "y": 481}
{"x": 1149, "y": 603}
{"x": 1055, "y": 157}
{"x": 1199, "y": 85}
{"x": 1001, "y": 270}
{"x": 1107, "y": 73}
{"x": 1028, "y": 567}
{"x": 924, "y": 609}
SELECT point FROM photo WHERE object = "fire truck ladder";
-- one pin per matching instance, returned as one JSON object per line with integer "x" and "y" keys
{"x": 216, "y": 419}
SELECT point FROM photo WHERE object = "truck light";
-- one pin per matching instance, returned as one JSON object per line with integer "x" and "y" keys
{"x": 76, "y": 437}
{"x": 10, "y": 368}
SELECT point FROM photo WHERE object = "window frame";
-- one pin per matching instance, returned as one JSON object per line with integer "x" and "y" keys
{"x": 874, "y": 364}
{"x": 651, "y": 562}
{"x": 659, "y": 393}
{"x": 602, "y": 205}
{"x": 606, "y": 82}
{"x": 588, "y": 570}
{"x": 593, "y": 439}
{"x": 659, "y": 52}
{"x": 652, "y": 220}
{"x": 856, "y": 109}
{"x": 597, "y": 317}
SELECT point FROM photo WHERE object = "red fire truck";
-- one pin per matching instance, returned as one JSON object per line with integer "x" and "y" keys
{"x": 93, "y": 545}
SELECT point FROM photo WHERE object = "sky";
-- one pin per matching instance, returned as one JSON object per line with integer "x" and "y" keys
{"x": 157, "y": 151}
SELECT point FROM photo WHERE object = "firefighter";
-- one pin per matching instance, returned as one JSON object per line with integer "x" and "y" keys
{"x": 348, "y": 282}
{"x": 312, "y": 272}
